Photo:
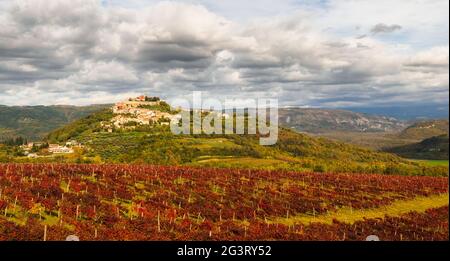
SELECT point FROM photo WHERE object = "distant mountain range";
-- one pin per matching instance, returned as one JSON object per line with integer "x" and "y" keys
{"x": 384, "y": 141}
{"x": 408, "y": 113}
{"x": 326, "y": 120}
{"x": 370, "y": 131}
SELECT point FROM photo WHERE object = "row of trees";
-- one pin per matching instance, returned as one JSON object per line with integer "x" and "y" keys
{"x": 17, "y": 141}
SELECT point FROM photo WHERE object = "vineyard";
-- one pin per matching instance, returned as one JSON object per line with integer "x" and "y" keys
{"x": 144, "y": 202}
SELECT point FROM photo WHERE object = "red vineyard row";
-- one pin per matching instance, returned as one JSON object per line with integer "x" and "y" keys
{"x": 141, "y": 202}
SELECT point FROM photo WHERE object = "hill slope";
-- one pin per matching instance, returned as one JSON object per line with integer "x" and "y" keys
{"x": 294, "y": 151}
{"x": 435, "y": 148}
{"x": 34, "y": 122}
{"x": 425, "y": 129}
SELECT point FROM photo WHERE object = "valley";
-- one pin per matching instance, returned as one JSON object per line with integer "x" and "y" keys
{"x": 101, "y": 139}
{"x": 136, "y": 180}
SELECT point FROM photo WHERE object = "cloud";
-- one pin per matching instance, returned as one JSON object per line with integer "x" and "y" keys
{"x": 361, "y": 36}
{"x": 435, "y": 57}
{"x": 87, "y": 51}
{"x": 383, "y": 28}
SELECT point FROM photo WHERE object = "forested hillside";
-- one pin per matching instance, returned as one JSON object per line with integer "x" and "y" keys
{"x": 34, "y": 122}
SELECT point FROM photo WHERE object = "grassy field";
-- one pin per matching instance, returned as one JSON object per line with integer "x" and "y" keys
{"x": 235, "y": 162}
{"x": 207, "y": 144}
{"x": 443, "y": 163}
{"x": 372, "y": 140}
{"x": 348, "y": 215}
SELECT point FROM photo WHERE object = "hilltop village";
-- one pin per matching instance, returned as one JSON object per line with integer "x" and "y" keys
{"x": 142, "y": 110}
{"x": 127, "y": 115}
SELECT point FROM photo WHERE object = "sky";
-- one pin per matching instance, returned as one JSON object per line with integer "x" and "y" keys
{"x": 317, "y": 53}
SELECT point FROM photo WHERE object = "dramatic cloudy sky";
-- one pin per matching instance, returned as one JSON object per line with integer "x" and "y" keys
{"x": 330, "y": 53}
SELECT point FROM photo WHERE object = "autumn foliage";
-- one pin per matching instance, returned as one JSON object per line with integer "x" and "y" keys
{"x": 144, "y": 202}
